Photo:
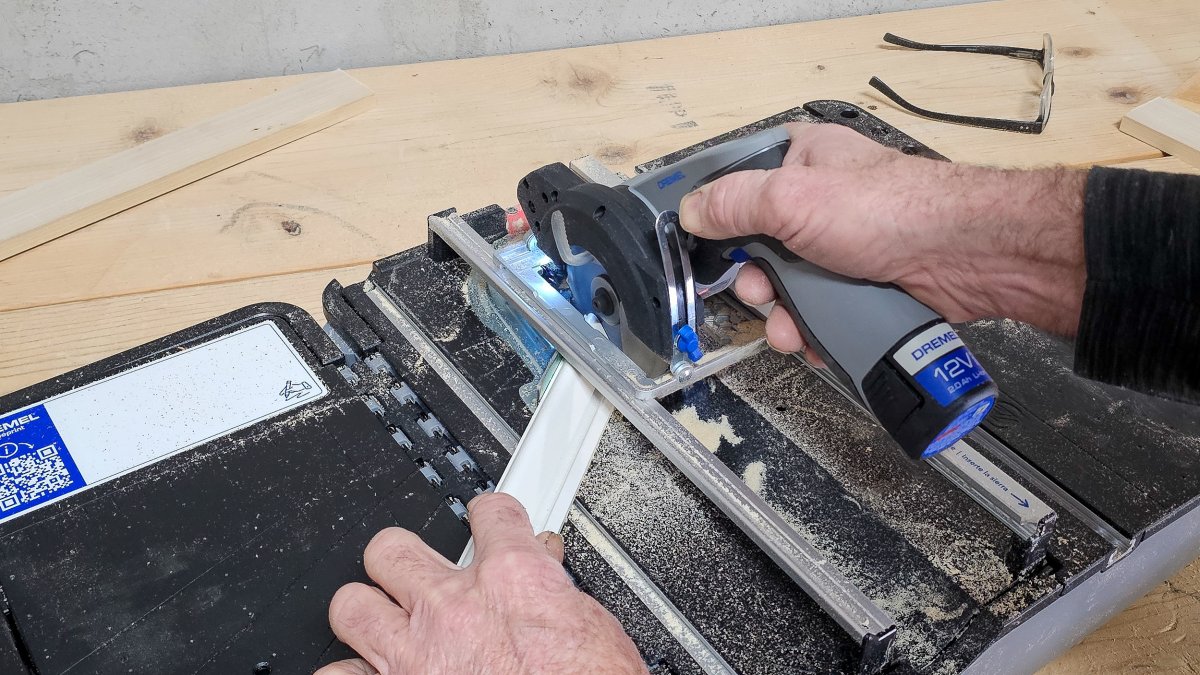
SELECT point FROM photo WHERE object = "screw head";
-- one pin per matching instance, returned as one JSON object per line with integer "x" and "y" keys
{"x": 682, "y": 370}
{"x": 603, "y": 302}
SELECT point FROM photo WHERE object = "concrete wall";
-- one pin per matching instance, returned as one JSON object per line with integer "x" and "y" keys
{"x": 52, "y": 48}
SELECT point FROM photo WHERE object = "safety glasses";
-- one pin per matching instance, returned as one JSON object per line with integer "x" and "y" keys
{"x": 1043, "y": 56}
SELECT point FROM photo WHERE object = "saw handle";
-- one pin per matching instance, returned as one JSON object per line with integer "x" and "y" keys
{"x": 867, "y": 333}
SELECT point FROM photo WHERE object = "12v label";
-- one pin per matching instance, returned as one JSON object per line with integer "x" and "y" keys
{"x": 93, "y": 434}
{"x": 952, "y": 375}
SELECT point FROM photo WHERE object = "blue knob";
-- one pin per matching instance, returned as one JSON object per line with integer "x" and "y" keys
{"x": 689, "y": 343}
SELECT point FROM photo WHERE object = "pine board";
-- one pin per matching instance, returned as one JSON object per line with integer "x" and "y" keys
{"x": 462, "y": 132}
{"x": 43, "y": 342}
{"x": 111, "y": 184}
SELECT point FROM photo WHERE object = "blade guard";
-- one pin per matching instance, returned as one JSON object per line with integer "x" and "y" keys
{"x": 617, "y": 229}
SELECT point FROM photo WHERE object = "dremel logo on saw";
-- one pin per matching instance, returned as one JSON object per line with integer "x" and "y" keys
{"x": 674, "y": 178}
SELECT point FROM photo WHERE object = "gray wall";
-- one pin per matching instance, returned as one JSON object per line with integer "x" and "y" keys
{"x": 51, "y": 48}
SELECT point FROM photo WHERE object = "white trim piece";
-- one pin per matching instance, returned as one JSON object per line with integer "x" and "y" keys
{"x": 555, "y": 451}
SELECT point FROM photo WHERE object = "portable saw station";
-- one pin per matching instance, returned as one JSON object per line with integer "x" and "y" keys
{"x": 938, "y": 499}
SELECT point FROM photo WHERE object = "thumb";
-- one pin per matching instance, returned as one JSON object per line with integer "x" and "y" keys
{"x": 743, "y": 203}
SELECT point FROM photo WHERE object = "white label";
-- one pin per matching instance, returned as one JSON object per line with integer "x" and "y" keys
{"x": 93, "y": 434}
{"x": 1020, "y": 501}
{"x": 927, "y": 346}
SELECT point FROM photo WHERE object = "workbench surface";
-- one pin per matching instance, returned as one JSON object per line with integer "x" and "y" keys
{"x": 461, "y": 133}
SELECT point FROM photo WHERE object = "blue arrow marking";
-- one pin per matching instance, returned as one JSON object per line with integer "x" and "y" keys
{"x": 1021, "y": 501}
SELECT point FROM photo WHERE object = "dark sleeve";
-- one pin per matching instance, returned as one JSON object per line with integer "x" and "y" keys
{"x": 1140, "y": 325}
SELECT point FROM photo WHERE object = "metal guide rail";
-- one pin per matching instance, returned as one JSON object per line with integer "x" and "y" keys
{"x": 595, "y": 356}
{"x": 656, "y": 601}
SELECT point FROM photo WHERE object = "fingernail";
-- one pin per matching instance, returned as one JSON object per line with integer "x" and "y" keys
{"x": 689, "y": 211}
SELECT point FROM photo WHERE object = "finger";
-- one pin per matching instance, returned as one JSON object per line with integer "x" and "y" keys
{"x": 800, "y": 134}
{"x": 403, "y": 565}
{"x": 752, "y": 286}
{"x": 784, "y": 336}
{"x": 776, "y": 203}
{"x": 367, "y": 620}
{"x": 698, "y": 215}
{"x": 499, "y": 523}
{"x": 553, "y": 543}
{"x": 782, "y": 333}
{"x": 348, "y": 667}
{"x": 833, "y": 145}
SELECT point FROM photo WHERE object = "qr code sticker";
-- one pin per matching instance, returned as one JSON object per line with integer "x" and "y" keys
{"x": 33, "y": 476}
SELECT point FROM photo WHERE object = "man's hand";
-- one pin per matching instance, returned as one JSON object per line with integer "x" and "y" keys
{"x": 512, "y": 610}
{"x": 968, "y": 241}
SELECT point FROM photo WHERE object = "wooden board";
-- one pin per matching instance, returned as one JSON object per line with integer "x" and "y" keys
{"x": 84, "y": 195}
{"x": 42, "y": 342}
{"x": 1169, "y": 124}
{"x": 461, "y": 133}
{"x": 1156, "y": 634}
{"x": 1168, "y": 164}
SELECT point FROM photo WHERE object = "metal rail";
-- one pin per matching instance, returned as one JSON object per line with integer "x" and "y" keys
{"x": 597, "y": 536}
{"x": 679, "y": 626}
{"x": 1009, "y": 502}
{"x": 1122, "y": 545}
{"x": 593, "y": 355}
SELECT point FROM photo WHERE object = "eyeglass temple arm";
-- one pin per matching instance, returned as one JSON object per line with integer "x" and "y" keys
{"x": 998, "y": 50}
{"x": 1019, "y": 126}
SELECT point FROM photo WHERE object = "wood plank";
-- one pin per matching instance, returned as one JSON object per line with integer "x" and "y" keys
{"x": 82, "y": 196}
{"x": 1156, "y": 634}
{"x": 1169, "y": 124}
{"x": 461, "y": 133}
{"x": 42, "y": 342}
{"x": 1168, "y": 164}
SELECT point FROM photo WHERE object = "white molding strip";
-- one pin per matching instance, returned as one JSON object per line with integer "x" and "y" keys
{"x": 555, "y": 451}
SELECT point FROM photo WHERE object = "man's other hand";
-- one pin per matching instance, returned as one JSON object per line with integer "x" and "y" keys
{"x": 512, "y": 610}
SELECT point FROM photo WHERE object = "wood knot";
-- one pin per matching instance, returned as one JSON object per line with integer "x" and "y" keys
{"x": 820, "y": 67}
{"x": 146, "y": 131}
{"x": 292, "y": 227}
{"x": 1077, "y": 52}
{"x": 615, "y": 153}
{"x": 584, "y": 79}
{"x": 1127, "y": 95}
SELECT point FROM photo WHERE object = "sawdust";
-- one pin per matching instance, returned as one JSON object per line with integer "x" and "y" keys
{"x": 808, "y": 412}
{"x": 634, "y": 473}
{"x": 746, "y": 332}
{"x": 451, "y": 330}
{"x": 710, "y": 433}
{"x": 941, "y": 614}
{"x": 754, "y": 474}
{"x": 668, "y": 527}
{"x": 633, "y": 467}
{"x": 899, "y": 600}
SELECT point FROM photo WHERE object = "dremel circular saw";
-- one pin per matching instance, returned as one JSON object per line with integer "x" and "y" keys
{"x": 621, "y": 255}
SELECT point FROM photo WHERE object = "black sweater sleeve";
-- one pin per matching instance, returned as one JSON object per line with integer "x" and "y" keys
{"x": 1140, "y": 325}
